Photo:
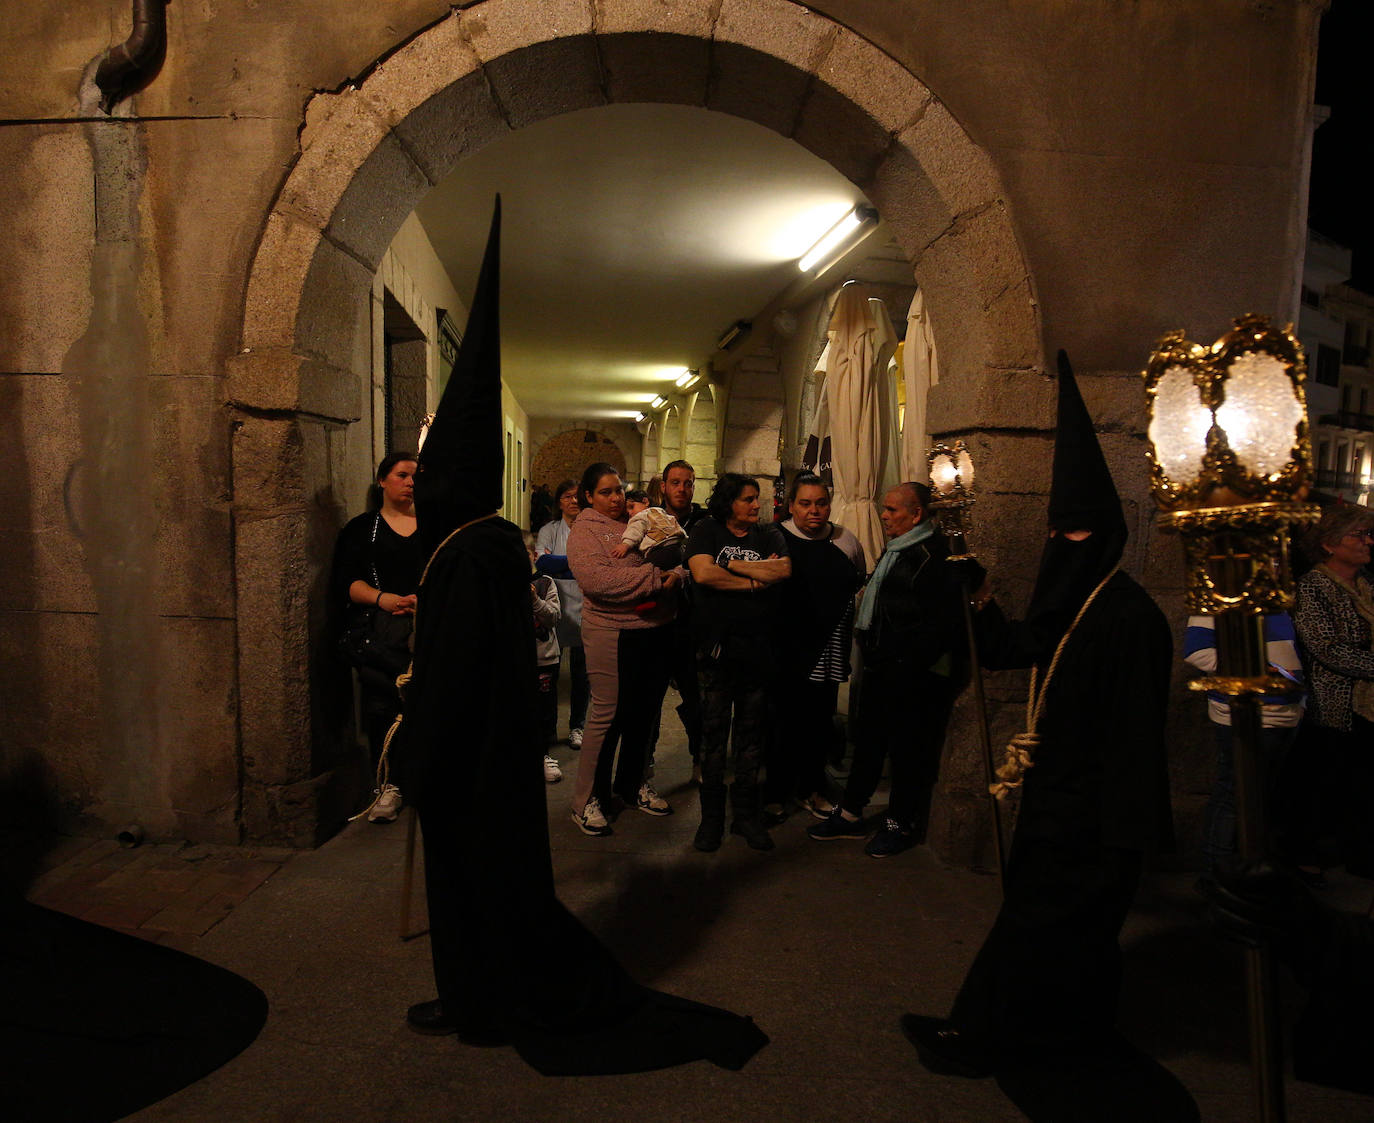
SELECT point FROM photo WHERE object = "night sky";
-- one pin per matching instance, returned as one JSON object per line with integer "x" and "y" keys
{"x": 1342, "y": 202}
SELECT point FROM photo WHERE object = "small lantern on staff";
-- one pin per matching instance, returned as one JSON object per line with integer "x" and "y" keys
{"x": 951, "y": 479}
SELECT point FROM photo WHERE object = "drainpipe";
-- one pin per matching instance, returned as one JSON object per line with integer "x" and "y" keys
{"x": 135, "y": 62}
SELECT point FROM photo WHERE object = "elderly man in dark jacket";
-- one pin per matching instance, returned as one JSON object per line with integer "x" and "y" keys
{"x": 910, "y": 629}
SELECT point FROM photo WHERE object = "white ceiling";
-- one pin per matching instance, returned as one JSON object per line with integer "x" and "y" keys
{"x": 632, "y": 237}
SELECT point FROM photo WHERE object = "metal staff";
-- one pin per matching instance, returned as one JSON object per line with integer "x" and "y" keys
{"x": 951, "y": 475}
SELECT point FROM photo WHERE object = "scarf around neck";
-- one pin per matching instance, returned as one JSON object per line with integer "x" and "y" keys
{"x": 918, "y": 533}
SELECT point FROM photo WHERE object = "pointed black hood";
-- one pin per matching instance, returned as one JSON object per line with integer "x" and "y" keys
{"x": 461, "y": 463}
{"x": 1082, "y": 497}
{"x": 1082, "y": 494}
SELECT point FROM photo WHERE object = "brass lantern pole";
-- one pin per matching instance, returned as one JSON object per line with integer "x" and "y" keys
{"x": 1230, "y": 461}
{"x": 951, "y": 477}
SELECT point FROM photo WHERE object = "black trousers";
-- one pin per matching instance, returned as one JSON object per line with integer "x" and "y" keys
{"x": 805, "y": 713}
{"x": 682, "y": 670}
{"x": 901, "y": 718}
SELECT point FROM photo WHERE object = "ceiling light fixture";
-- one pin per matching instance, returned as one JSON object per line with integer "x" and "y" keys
{"x": 687, "y": 379}
{"x": 732, "y": 333}
{"x": 841, "y": 235}
{"x": 639, "y": 419}
{"x": 659, "y": 402}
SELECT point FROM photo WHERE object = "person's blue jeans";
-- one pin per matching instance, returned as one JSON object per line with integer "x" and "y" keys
{"x": 1219, "y": 817}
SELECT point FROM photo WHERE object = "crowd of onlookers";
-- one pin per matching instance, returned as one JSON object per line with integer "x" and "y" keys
{"x": 752, "y": 621}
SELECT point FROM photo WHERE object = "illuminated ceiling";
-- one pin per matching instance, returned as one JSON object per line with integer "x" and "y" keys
{"x": 633, "y": 236}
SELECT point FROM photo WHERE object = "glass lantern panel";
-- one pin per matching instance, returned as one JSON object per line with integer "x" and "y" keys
{"x": 942, "y": 472}
{"x": 965, "y": 468}
{"x": 1261, "y": 413}
{"x": 1179, "y": 427}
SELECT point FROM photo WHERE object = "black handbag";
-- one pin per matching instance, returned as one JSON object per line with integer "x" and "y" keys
{"x": 372, "y": 638}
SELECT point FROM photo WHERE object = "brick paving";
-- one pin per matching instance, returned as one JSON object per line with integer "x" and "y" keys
{"x": 160, "y": 892}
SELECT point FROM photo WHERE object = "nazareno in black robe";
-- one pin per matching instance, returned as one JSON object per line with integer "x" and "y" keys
{"x": 472, "y": 763}
{"x": 1097, "y": 799}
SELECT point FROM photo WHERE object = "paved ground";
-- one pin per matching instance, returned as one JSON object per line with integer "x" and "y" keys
{"x": 824, "y": 947}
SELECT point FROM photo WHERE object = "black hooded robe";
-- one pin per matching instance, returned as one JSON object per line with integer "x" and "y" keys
{"x": 473, "y": 766}
{"x": 1096, "y": 799}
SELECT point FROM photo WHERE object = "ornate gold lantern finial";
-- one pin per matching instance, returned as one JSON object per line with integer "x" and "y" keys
{"x": 1231, "y": 459}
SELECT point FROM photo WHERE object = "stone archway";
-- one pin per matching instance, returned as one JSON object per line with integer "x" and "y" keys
{"x": 671, "y": 442}
{"x": 702, "y": 445}
{"x": 370, "y": 151}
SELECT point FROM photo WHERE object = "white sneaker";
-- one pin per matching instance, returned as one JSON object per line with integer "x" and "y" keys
{"x": 387, "y": 807}
{"x": 591, "y": 821}
{"x": 552, "y": 773}
{"x": 651, "y": 803}
{"x": 575, "y": 739}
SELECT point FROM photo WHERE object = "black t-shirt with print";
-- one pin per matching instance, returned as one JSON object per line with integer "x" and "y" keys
{"x": 741, "y": 622}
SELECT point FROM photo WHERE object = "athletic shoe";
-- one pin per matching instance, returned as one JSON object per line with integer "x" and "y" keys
{"x": 591, "y": 821}
{"x": 651, "y": 803}
{"x": 891, "y": 839}
{"x": 754, "y": 832}
{"x": 387, "y": 807}
{"x": 552, "y": 773}
{"x": 575, "y": 739}
{"x": 820, "y": 807}
{"x": 837, "y": 826}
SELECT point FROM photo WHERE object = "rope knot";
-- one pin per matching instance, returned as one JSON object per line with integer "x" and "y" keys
{"x": 1020, "y": 756}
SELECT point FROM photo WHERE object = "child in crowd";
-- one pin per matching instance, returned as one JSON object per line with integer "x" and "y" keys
{"x": 547, "y": 611}
{"x": 652, "y": 531}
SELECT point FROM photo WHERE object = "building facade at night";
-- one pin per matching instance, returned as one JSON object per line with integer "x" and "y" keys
{"x": 219, "y": 307}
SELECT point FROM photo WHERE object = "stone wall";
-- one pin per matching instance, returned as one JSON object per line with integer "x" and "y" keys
{"x": 188, "y": 336}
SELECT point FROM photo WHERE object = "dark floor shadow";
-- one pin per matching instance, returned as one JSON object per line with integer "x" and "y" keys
{"x": 31, "y": 828}
{"x": 96, "y": 1024}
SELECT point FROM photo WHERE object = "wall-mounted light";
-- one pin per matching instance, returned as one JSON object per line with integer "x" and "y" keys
{"x": 732, "y": 333}
{"x": 687, "y": 379}
{"x": 659, "y": 402}
{"x": 841, "y": 236}
{"x": 639, "y": 419}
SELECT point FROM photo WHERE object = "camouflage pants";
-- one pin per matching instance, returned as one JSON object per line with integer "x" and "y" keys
{"x": 736, "y": 692}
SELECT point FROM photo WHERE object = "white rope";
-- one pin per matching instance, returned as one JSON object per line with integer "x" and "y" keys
{"x": 1020, "y": 751}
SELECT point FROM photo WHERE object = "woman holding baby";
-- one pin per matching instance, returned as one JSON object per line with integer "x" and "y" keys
{"x": 627, "y": 600}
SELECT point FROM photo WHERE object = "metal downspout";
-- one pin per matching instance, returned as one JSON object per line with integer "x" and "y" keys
{"x": 135, "y": 62}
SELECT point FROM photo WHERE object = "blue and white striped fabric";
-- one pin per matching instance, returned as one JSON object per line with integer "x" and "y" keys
{"x": 1200, "y": 650}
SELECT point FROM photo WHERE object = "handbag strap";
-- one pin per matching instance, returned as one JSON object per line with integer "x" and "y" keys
{"x": 372, "y": 553}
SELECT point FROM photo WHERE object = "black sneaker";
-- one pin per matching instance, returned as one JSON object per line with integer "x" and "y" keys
{"x": 890, "y": 840}
{"x": 754, "y": 832}
{"x": 837, "y": 826}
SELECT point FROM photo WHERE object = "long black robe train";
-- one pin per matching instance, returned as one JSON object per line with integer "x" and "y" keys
{"x": 1097, "y": 798}
{"x": 472, "y": 764}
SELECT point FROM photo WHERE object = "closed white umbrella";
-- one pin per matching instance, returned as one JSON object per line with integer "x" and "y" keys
{"x": 852, "y": 389}
{"x": 920, "y": 371}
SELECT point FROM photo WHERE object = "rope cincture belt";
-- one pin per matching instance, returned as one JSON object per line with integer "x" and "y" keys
{"x": 383, "y": 776}
{"x": 1020, "y": 751}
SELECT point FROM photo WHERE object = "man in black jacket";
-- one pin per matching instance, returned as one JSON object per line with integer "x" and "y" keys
{"x": 911, "y": 633}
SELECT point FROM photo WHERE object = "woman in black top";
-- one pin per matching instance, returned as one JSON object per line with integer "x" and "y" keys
{"x": 377, "y": 566}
